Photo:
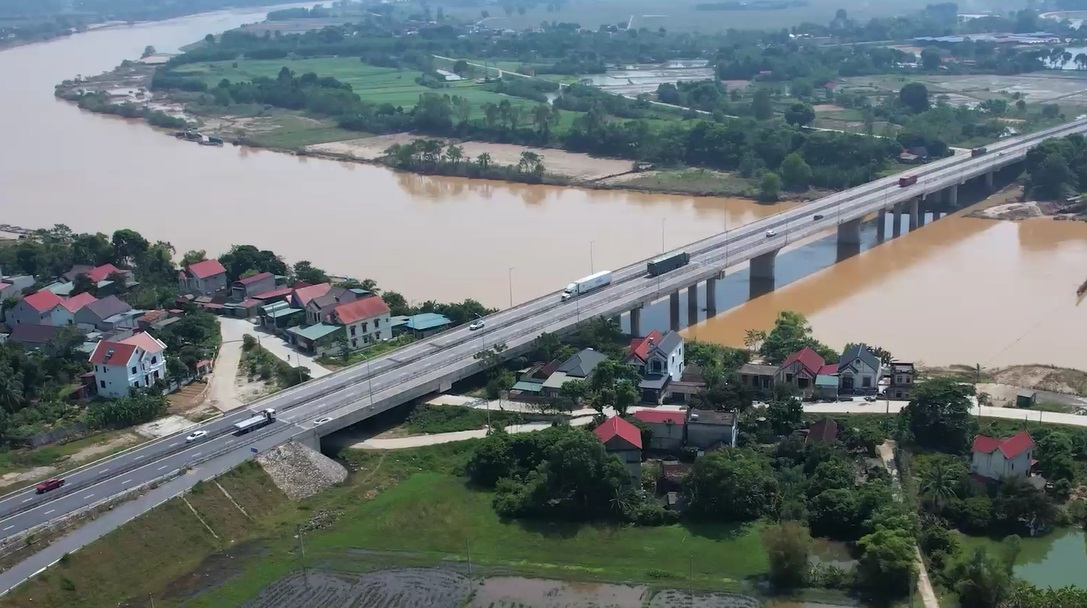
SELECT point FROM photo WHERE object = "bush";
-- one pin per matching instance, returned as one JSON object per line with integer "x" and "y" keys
{"x": 265, "y": 371}
{"x": 248, "y": 343}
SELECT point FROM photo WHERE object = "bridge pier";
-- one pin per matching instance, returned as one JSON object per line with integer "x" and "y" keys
{"x": 444, "y": 386}
{"x": 915, "y": 208}
{"x": 673, "y": 311}
{"x": 762, "y": 273}
{"x": 881, "y": 225}
{"x": 692, "y": 305}
{"x": 989, "y": 181}
{"x": 636, "y": 322}
{"x": 849, "y": 233}
{"x": 896, "y": 220}
{"x": 711, "y": 298}
{"x": 953, "y": 196}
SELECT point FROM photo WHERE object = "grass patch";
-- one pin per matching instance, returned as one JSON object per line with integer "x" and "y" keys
{"x": 376, "y": 350}
{"x": 56, "y": 455}
{"x": 437, "y": 515}
{"x": 695, "y": 181}
{"x": 452, "y": 418}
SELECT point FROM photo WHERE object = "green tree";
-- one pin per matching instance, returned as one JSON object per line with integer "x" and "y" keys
{"x": 769, "y": 187}
{"x": 938, "y": 417}
{"x": 304, "y": 270}
{"x": 761, "y": 106}
{"x": 614, "y": 384}
{"x": 800, "y": 114}
{"x": 788, "y": 546}
{"x": 732, "y": 485}
{"x": 941, "y": 480}
{"x": 981, "y": 580}
{"x": 833, "y": 513}
{"x": 129, "y": 245}
{"x": 930, "y": 58}
{"x": 914, "y": 96}
{"x": 795, "y": 173}
{"x": 791, "y": 333}
{"x": 193, "y": 256}
{"x": 785, "y": 415}
{"x": 887, "y": 565}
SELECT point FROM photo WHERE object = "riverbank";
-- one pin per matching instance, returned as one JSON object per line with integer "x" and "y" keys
{"x": 125, "y": 91}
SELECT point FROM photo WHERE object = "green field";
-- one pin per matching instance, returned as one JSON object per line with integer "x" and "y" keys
{"x": 371, "y": 83}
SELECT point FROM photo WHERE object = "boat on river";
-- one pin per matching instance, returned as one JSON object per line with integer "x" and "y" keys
{"x": 1082, "y": 288}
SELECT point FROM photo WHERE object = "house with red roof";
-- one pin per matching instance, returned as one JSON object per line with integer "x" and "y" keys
{"x": 202, "y": 278}
{"x": 666, "y": 426}
{"x": 624, "y": 440}
{"x": 800, "y": 369}
{"x": 659, "y": 360}
{"x": 38, "y": 308}
{"x": 301, "y": 296}
{"x": 1003, "y": 458}
{"x": 65, "y": 315}
{"x": 251, "y": 286}
{"x": 358, "y": 323}
{"x": 135, "y": 362}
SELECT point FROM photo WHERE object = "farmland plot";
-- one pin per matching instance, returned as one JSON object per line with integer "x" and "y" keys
{"x": 401, "y": 588}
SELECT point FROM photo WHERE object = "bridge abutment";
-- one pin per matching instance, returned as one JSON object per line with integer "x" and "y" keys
{"x": 849, "y": 233}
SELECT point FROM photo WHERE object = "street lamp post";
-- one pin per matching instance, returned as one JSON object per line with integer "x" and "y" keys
{"x": 663, "y": 221}
{"x": 511, "y": 285}
{"x": 592, "y": 265}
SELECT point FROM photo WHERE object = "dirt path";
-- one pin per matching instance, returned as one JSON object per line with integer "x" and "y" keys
{"x": 924, "y": 585}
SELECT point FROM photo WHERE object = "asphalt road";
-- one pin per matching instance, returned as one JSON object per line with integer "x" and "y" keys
{"x": 383, "y": 379}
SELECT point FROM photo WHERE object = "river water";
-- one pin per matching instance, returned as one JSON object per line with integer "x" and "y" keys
{"x": 958, "y": 291}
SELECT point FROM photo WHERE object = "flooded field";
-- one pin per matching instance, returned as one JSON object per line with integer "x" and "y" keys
{"x": 444, "y": 588}
{"x": 637, "y": 79}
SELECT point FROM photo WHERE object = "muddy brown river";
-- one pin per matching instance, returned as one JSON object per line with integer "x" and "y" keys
{"x": 957, "y": 291}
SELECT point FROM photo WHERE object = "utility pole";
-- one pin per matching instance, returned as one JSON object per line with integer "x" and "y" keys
{"x": 302, "y": 554}
{"x": 469, "y": 541}
{"x": 152, "y": 598}
{"x": 690, "y": 578}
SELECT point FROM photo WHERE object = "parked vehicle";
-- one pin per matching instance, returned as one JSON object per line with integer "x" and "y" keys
{"x": 978, "y": 152}
{"x": 48, "y": 484}
{"x": 909, "y": 180}
{"x": 265, "y": 417}
{"x": 667, "y": 263}
{"x": 587, "y": 284}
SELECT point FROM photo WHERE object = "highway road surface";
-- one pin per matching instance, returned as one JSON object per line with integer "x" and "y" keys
{"x": 374, "y": 386}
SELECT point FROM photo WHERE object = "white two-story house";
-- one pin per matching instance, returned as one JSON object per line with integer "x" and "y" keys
{"x": 1002, "y": 458}
{"x": 659, "y": 360}
{"x": 366, "y": 320}
{"x": 135, "y": 362}
{"x": 202, "y": 278}
{"x": 859, "y": 371}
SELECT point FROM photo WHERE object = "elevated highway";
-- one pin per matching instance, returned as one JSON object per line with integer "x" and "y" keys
{"x": 432, "y": 365}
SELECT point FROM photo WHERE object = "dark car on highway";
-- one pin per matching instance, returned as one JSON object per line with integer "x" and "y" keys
{"x": 48, "y": 484}
{"x": 818, "y": 216}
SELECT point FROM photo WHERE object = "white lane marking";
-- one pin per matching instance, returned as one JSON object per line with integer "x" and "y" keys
{"x": 103, "y": 470}
{"x": 126, "y": 481}
{"x": 163, "y": 467}
{"x": 29, "y": 499}
{"x": 8, "y": 528}
{"x": 140, "y": 456}
{"x": 196, "y": 454}
{"x": 50, "y": 511}
{"x": 88, "y": 496}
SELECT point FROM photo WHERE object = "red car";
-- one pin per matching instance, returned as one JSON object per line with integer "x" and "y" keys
{"x": 49, "y": 484}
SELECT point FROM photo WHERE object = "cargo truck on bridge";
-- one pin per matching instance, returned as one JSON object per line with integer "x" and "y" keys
{"x": 264, "y": 417}
{"x": 909, "y": 180}
{"x": 667, "y": 263}
{"x": 587, "y": 284}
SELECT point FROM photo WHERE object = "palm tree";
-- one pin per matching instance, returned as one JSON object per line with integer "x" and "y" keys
{"x": 938, "y": 483}
{"x": 454, "y": 153}
{"x": 541, "y": 115}
{"x": 490, "y": 114}
{"x": 483, "y": 160}
{"x": 753, "y": 338}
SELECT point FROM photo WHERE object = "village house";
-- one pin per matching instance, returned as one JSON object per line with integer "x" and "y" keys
{"x": 1002, "y": 458}
{"x": 202, "y": 278}
{"x": 65, "y": 315}
{"x": 623, "y": 439}
{"x": 859, "y": 371}
{"x": 578, "y": 367}
{"x": 659, "y": 360}
{"x": 355, "y": 324}
{"x": 800, "y": 369}
{"x": 666, "y": 426}
{"x": 709, "y": 428}
{"x": 422, "y": 325}
{"x": 33, "y": 337}
{"x": 246, "y": 288}
{"x": 758, "y": 378}
{"x": 105, "y": 314}
{"x": 11, "y": 287}
{"x": 823, "y": 431}
{"x": 901, "y": 385}
{"x": 38, "y": 308}
{"x": 320, "y": 307}
{"x": 301, "y": 295}
{"x": 107, "y": 278}
{"x": 135, "y": 362}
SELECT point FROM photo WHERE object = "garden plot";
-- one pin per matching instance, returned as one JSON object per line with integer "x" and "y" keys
{"x": 402, "y": 588}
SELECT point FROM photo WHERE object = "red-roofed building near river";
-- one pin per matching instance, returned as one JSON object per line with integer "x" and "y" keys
{"x": 1003, "y": 458}
{"x": 666, "y": 426}
{"x": 202, "y": 278}
{"x": 624, "y": 440}
{"x": 135, "y": 362}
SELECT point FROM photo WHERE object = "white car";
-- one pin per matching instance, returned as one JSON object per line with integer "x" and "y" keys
{"x": 320, "y": 421}
{"x": 196, "y": 436}
{"x": 771, "y": 234}
{"x": 476, "y": 325}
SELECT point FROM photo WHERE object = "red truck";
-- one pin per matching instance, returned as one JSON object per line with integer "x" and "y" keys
{"x": 49, "y": 484}
{"x": 909, "y": 180}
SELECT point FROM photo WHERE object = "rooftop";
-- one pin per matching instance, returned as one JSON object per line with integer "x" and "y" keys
{"x": 257, "y": 277}
{"x": 711, "y": 417}
{"x": 582, "y": 363}
{"x": 205, "y": 269}
{"x": 366, "y": 308}
{"x": 754, "y": 369}
{"x": 427, "y": 320}
{"x": 1010, "y": 447}
{"x": 823, "y": 431}
{"x": 43, "y": 300}
{"x": 617, "y": 427}
{"x": 656, "y": 416}
{"x": 315, "y": 332}
{"x": 808, "y": 358}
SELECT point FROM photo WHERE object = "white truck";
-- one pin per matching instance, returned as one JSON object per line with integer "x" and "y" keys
{"x": 265, "y": 416}
{"x": 587, "y": 284}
